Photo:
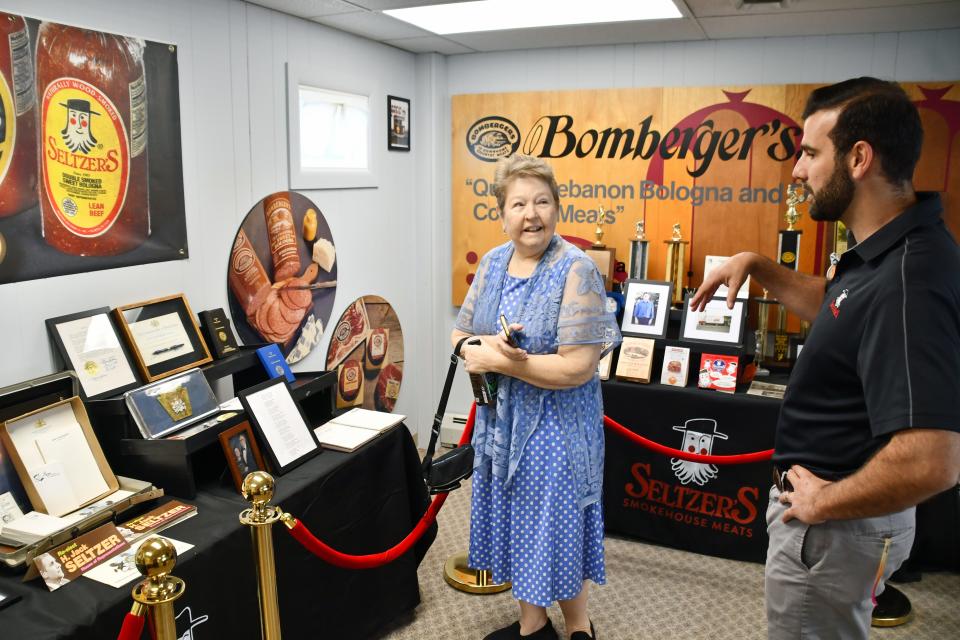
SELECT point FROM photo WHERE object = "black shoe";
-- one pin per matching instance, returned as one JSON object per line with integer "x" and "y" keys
{"x": 582, "y": 635}
{"x": 546, "y": 632}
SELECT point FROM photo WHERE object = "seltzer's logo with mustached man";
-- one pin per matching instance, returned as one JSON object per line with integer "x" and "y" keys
{"x": 698, "y": 436}
{"x": 76, "y": 133}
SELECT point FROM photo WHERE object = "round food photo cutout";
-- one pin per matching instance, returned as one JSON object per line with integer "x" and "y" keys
{"x": 366, "y": 351}
{"x": 282, "y": 275}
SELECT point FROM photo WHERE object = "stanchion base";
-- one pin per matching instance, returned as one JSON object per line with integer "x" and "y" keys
{"x": 893, "y": 608}
{"x": 462, "y": 578}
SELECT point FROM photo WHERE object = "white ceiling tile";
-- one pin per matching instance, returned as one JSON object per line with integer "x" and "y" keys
{"x": 308, "y": 8}
{"x": 375, "y": 26}
{"x": 380, "y": 5}
{"x": 429, "y": 44}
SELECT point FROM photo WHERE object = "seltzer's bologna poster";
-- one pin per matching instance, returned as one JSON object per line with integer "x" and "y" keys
{"x": 716, "y": 160}
{"x": 91, "y": 174}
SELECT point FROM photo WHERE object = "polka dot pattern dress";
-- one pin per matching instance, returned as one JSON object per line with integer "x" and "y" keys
{"x": 534, "y": 533}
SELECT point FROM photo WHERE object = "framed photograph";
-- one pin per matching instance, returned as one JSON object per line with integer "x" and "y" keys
{"x": 163, "y": 407}
{"x": 647, "y": 308}
{"x": 89, "y": 345}
{"x": 398, "y": 124}
{"x": 243, "y": 455}
{"x": 163, "y": 336}
{"x": 280, "y": 424}
{"x": 716, "y": 324}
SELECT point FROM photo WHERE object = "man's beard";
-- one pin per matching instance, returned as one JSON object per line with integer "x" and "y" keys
{"x": 832, "y": 201}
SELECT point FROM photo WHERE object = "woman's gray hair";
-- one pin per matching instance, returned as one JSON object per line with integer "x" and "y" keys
{"x": 520, "y": 166}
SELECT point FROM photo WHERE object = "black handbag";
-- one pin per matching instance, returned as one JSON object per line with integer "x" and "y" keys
{"x": 445, "y": 473}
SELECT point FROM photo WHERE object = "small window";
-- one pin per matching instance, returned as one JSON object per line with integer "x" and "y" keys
{"x": 333, "y": 129}
{"x": 330, "y": 128}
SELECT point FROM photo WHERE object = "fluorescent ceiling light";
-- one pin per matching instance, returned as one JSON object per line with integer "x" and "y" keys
{"x": 496, "y": 15}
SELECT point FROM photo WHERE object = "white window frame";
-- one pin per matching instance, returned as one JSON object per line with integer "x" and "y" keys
{"x": 303, "y": 178}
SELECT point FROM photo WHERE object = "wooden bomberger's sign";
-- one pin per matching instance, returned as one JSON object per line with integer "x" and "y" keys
{"x": 716, "y": 160}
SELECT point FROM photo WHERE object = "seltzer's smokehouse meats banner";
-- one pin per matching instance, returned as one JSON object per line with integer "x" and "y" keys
{"x": 91, "y": 174}
{"x": 715, "y": 160}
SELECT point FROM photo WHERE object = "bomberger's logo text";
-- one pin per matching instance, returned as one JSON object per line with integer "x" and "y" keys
{"x": 492, "y": 138}
{"x": 556, "y": 136}
{"x": 86, "y": 158}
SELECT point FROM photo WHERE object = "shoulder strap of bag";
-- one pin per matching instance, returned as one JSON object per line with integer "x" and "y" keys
{"x": 442, "y": 406}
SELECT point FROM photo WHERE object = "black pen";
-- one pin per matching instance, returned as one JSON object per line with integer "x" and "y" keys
{"x": 165, "y": 349}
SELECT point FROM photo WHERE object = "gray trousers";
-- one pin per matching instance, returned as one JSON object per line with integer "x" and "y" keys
{"x": 819, "y": 578}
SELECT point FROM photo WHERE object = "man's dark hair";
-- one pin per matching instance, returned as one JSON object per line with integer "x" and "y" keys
{"x": 879, "y": 113}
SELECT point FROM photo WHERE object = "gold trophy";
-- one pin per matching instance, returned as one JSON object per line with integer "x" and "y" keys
{"x": 788, "y": 249}
{"x": 604, "y": 256}
{"x": 639, "y": 254}
{"x": 675, "y": 273}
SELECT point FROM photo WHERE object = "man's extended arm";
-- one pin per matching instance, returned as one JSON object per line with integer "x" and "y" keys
{"x": 800, "y": 293}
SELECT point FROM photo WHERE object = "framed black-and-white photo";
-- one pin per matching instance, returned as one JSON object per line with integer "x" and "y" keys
{"x": 716, "y": 324}
{"x": 88, "y": 343}
{"x": 242, "y": 452}
{"x": 647, "y": 308}
{"x": 280, "y": 424}
{"x": 163, "y": 336}
{"x": 398, "y": 124}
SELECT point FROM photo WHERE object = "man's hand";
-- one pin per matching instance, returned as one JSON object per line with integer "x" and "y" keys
{"x": 732, "y": 273}
{"x": 803, "y": 498}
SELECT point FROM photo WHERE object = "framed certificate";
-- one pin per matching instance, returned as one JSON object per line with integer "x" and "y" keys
{"x": 89, "y": 345}
{"x": 716, "y": 324}
{"x": 280, "y": 424}
{"x": 163, "y": 336}
{"x": 168, "y": 405}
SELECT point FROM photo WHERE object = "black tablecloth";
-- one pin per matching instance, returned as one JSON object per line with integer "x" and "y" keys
{"x": 712, "y": 509}
{"x": 359, "y": 503}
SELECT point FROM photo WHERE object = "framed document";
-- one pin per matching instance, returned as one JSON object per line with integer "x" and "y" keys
{"x": 243, "y": 455}
{"x": 716, "y": 324}
{"x": 163, "y": 336}
{"x": 168, "y": 405}
{"x": 89, "y": 344}
{"x": 280, "y": 424}
{"x": 647, "y": 308}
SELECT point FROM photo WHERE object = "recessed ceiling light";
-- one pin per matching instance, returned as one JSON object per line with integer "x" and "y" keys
{"x": 496, "y": 15}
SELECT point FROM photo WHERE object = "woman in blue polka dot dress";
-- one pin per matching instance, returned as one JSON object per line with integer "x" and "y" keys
{"x": 537, "y": 517}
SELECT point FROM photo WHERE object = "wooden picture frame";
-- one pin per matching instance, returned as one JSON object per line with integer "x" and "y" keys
{"x": 725, "y": 333}
{"x": 163, "y": 336}
{"x": 89, "y": 344}
{"x": 398, "y": 124}
{"x": 231, "y": 439}
{"x": 280, "y": 424}
{"x": 659, "y": 294}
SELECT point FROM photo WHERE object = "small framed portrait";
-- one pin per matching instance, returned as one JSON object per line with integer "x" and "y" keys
{"x": 163, "y": 336}
{"x": 716, "y": 324}
{"x": 88, "y": 343}
{"x": 398, "y": 124}
{"x": 647, "y": 308}
{"x": 242, "y": 452}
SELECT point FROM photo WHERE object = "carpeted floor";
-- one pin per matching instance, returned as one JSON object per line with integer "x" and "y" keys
{"x": 652, "y": 593}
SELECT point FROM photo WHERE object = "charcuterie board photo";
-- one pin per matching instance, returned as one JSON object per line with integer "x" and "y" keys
{"x": 282, "y": 275}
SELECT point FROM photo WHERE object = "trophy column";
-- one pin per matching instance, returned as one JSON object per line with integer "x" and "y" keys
{"x": 605, "y": 257}
{"x": 639, "y": 254}
{"x": 676, "y": 259}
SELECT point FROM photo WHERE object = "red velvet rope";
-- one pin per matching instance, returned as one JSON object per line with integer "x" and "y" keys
{"x": 742, "y": 458}
{"x": 132, "y": 627}
{"x": 346, "y": 561}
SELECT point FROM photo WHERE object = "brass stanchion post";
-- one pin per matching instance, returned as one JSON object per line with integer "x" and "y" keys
{"x": 258, "y": 489}
{"x": 461, "y": 577}
{"x": 155, "y": 560}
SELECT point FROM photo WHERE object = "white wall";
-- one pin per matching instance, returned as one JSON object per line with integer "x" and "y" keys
{"x": 232, "y": 59}
{"x": 909, "y": 56}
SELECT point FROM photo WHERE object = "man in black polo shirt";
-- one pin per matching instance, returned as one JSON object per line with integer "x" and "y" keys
{"x": 870, "y": 424}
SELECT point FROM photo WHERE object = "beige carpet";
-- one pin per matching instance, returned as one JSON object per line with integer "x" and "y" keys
{"x": 652, "y": 593}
